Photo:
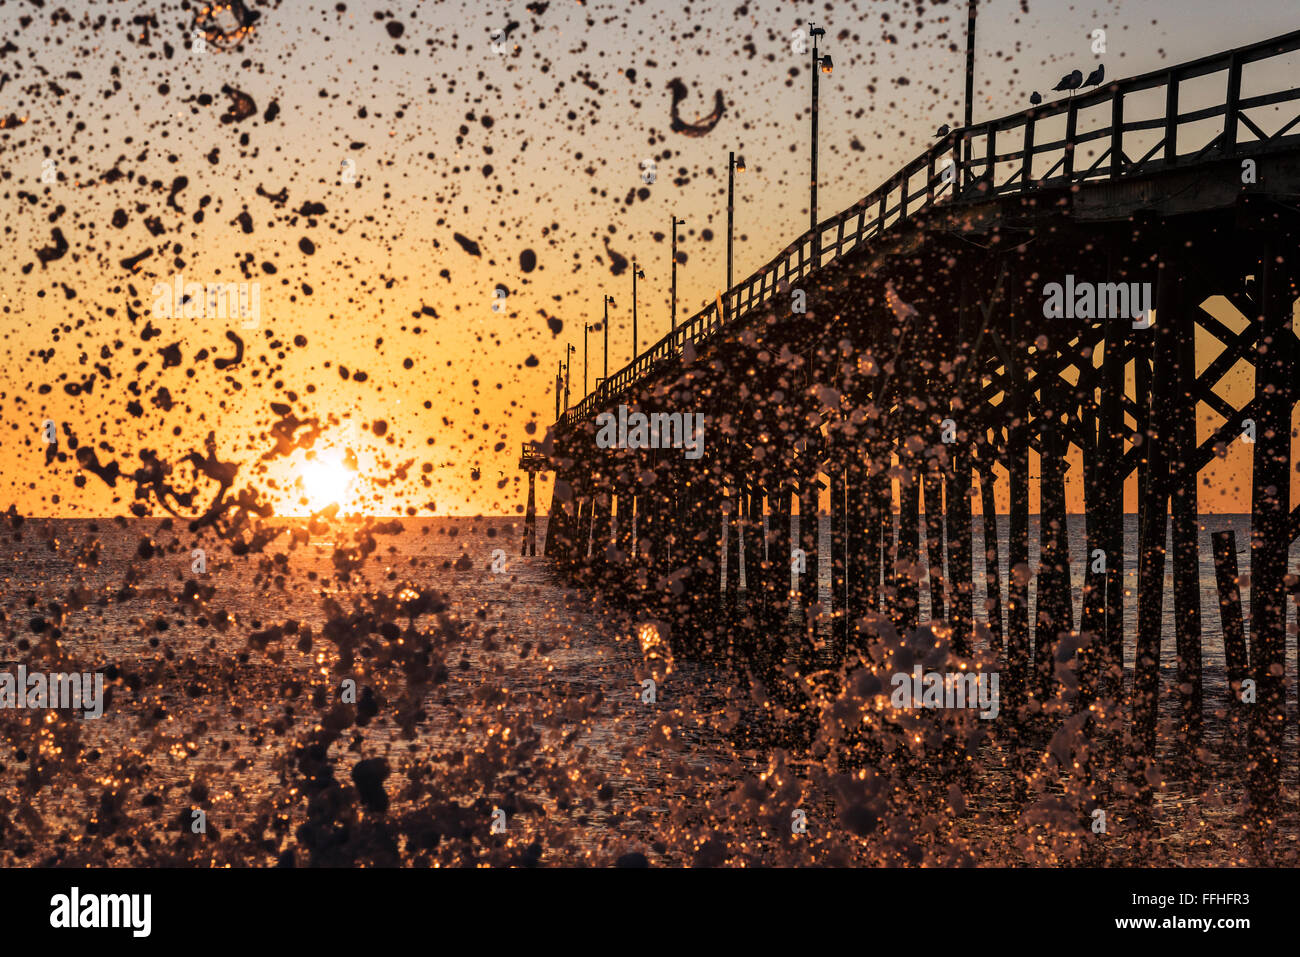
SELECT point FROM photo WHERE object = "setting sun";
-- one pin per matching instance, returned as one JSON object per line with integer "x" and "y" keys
{"x": 327, "y": 480}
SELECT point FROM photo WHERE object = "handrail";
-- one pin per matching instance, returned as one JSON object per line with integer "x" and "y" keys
{"x": 896, "y": 200}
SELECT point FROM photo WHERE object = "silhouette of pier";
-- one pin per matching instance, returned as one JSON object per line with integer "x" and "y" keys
{"x": 930, "y": 361}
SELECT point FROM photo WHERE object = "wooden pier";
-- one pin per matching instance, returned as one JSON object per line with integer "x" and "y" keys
{"x": 932, "y": 365}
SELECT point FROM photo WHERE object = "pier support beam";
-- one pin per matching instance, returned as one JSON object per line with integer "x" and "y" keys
{"x": 908, "y": 569}
{"x": 1054, "y": 611}
{"x": 1270, "y": 511}
{"x": 858, "y": 540}
{"x": 1184, "y": 506}
{"x": 1023, "y": 304}
{"x": 839, "y": 558}
{"x": 992, "y": 559}
{"x": 809, "y": 539}
{"x": 934, "y": 543}
{"x": 960, "y": 557}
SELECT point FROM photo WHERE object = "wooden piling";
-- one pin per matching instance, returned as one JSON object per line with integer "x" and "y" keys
{"x": 1270, "y": 514}
{"x": 809, "y": 539}
{"x": 1054, "y": 606}
{"x": 1106, "y": 510}
{"x": 732, "y": 547}
{"x": 891, "y": 599}
{"x": 582, "y": 531}
{"x": 932, "y": 486}
{"x": 778, "y": 554}
{"x": 839, "y": 563}
{"x": 992, "y": 556}
{"x": 881, "y": 542}
{"x": 753, "y": 544}
{"x": 601, "y": 526}
{"x": 908, "y": 567}
{"x": 1153, "y": 518}
{"x": 960, "y": 557}
{"x": 1234, "y": 635}
{"x": 859, "y": 516}
{"x": 1183, "y": 500}
{"x": 1017, "y": 463}
{"x": 530, "y": 517}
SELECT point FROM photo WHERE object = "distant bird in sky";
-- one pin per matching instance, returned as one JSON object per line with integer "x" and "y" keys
{"x": 1096, "y": 76}
{"x": 1071, "y": 81}
{"x": 1035, "y": 98}
{"x": 943, "y": 130}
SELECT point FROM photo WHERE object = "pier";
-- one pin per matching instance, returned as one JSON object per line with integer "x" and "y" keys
{"x": 1031, "y": 285}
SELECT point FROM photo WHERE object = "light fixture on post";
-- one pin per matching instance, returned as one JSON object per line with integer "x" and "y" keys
{"x": 673, "y": 318}
{"x": 734, "y": 165}
{"x": 608, "y": 299}
{"x": 588, "y": 329}
{"x": 822, "y": 64}
{"x": 637, "y": 273}
{"x": 567, "y": 377}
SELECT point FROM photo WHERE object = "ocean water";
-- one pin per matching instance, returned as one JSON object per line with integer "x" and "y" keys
{"x": 540, "y": 709}
{"x": 205, "y": 709}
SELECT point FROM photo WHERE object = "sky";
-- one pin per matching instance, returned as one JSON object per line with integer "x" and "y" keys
{"x": 385, "y": 172}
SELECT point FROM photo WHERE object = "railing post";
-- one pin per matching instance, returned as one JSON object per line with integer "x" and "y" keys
{"x": 1027, "y": 161}
{"x": 990, "y": 155}
{"x": 1232, "y": 104}
{"x": 1171, "y": 118}
{"x": 929, "y": 179}
{"x": 1116, "y": 133}
{"x": 1071, "y": 128}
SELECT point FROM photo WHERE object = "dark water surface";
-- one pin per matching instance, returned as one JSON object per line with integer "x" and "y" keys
{"x": 538, "y": 712}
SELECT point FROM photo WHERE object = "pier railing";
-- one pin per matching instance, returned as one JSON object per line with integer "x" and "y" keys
{"x": 966, "y": 165}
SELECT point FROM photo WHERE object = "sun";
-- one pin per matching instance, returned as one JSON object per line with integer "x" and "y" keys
{"x": 327, "y": 480}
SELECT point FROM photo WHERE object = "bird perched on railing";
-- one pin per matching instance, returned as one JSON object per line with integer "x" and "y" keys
{"x": 943, "y": 130}
{"x": 1035, "y": 98}
{"x": 1071, "y": 81}
{"x": 1096, "y": 76}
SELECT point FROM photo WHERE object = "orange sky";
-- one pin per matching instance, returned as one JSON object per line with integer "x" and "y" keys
{"x": 408, "y": 128}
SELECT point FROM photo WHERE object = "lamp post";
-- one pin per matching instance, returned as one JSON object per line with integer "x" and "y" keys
{"x": 567, "y": 378}
{"x": 588, "y": 329}
{"x": 970, "y": 60}
{"x": 733, "y": 166}
{"x": 822, "y": 63}
{"x": 608, "y": 300}
{"x": 637, "y": 273}
{"x": 676, "y": 222}
{"x": 970, "y": 78}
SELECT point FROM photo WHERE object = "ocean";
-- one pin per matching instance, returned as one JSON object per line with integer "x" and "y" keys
{"x": 507, "y": 690}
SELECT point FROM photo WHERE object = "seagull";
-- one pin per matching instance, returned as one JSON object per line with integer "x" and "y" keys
{"x": 1096, "y": 76}
{"x": 943, "y": 130}
{"x": 1071, "y": 82}
{"x": 1035, "y": 98}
